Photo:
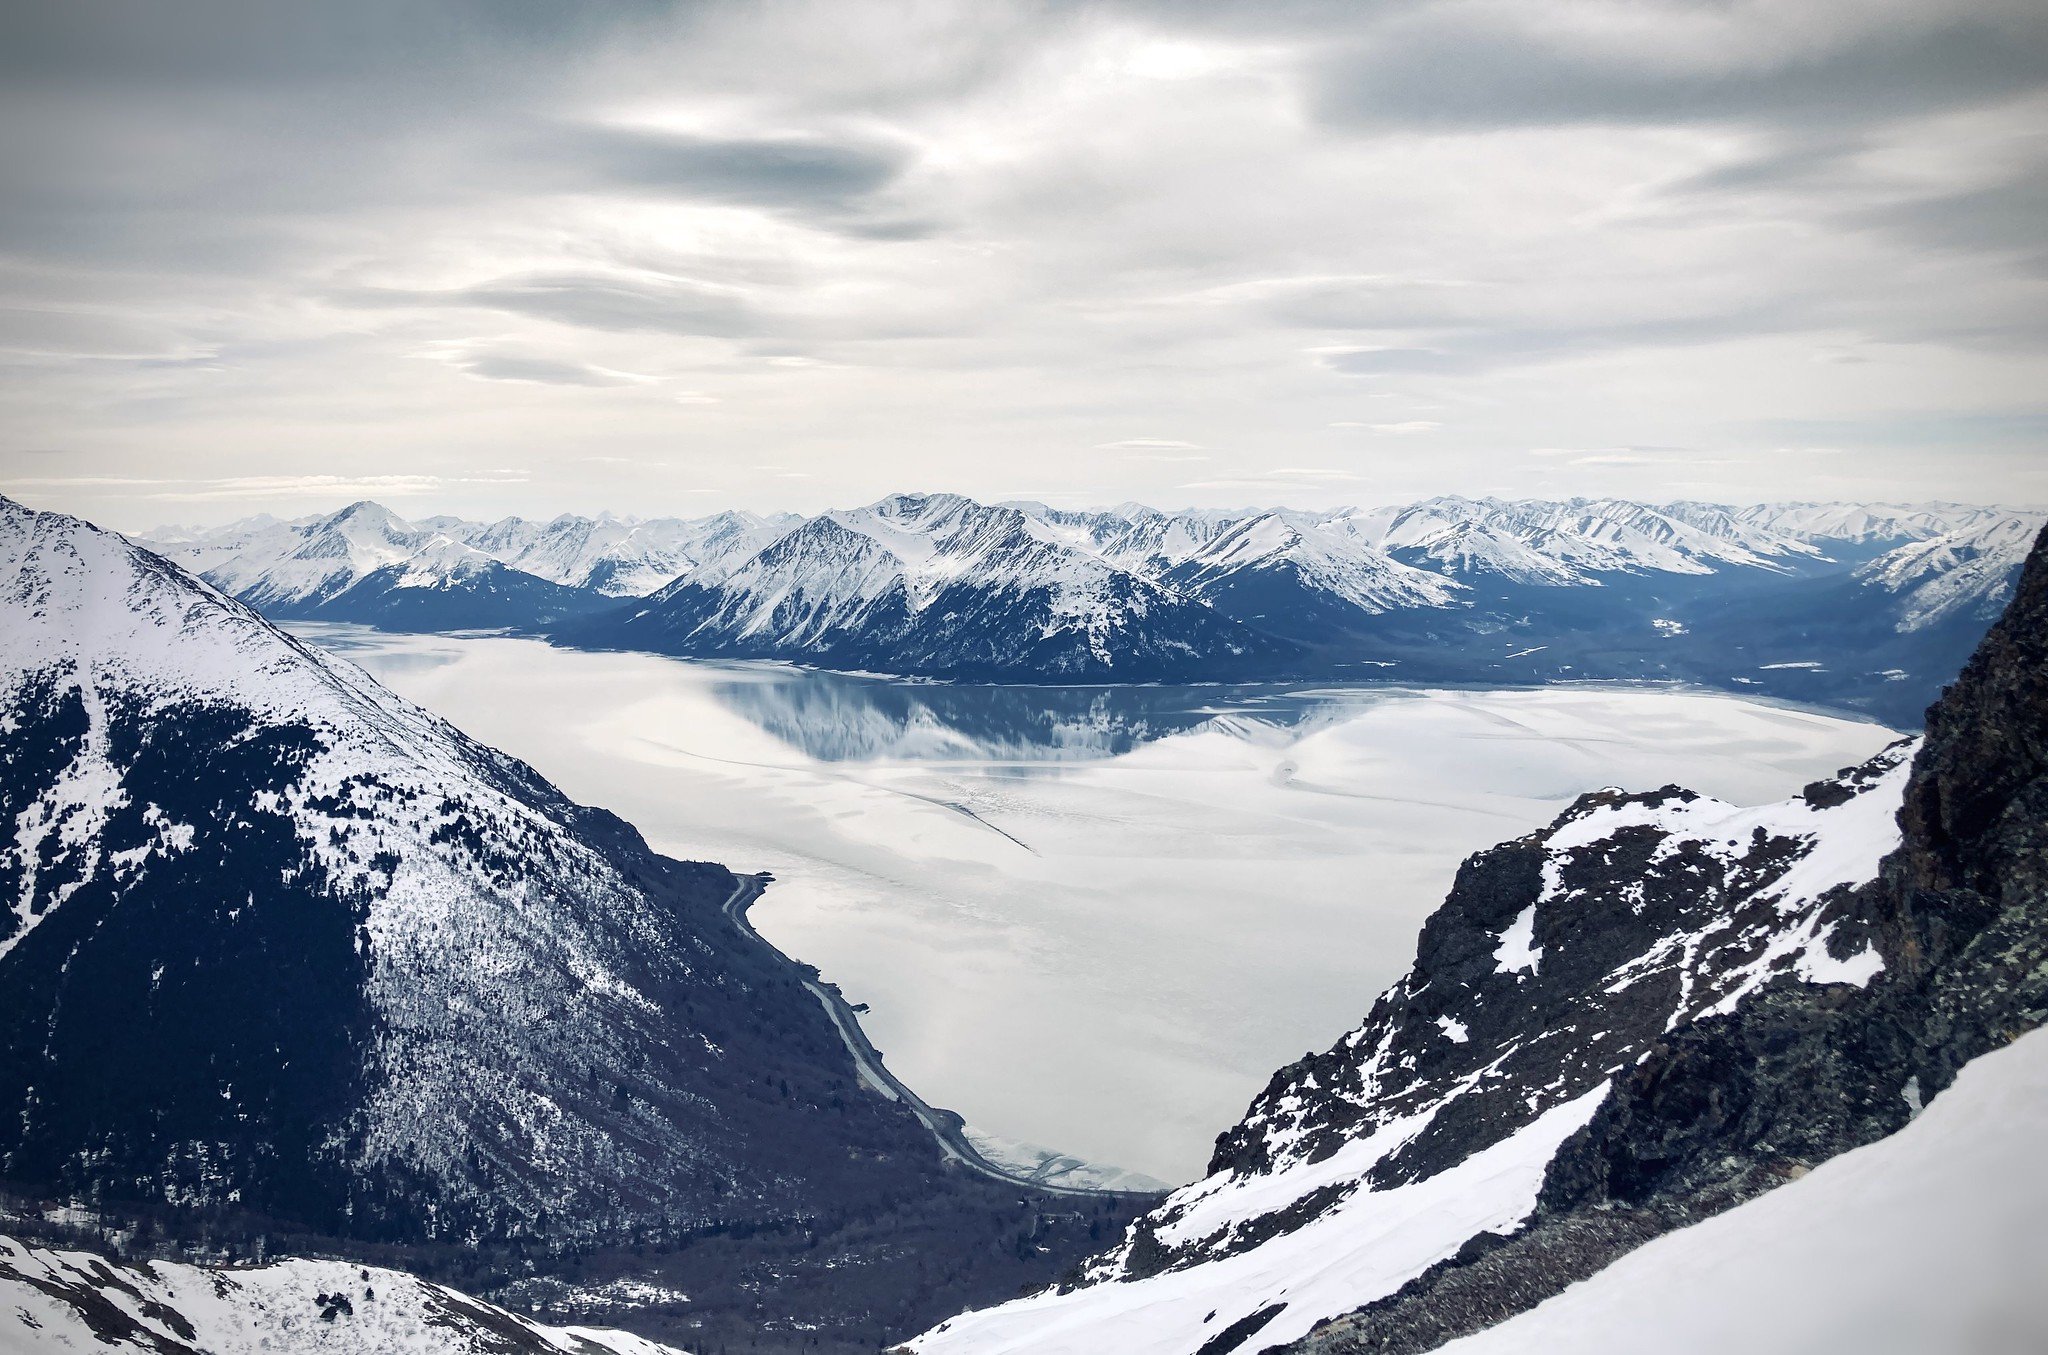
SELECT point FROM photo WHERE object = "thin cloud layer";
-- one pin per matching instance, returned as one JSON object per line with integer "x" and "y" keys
{"x": 1733, "y": 250}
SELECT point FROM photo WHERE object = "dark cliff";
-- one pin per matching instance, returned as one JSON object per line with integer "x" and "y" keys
{"x": 1728, "y": 1105}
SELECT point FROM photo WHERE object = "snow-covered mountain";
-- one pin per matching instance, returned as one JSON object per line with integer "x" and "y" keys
{"x": 472, "y": 980}
{"x": 938, "y": 584}
{"x": 1965, "y": 573}
{"x": 1650, "y": 1012}
{"x": 1450, "y": 589}
{"x": 1871, "y": 606}
{"x": 1864, "y": 523}
{"x": 1575, "y": 541}
{"x": 56, "y": 1300}
{"x": 366, "y": 564}
{"x": 618, "y": 557}
{"x": 282, "y": 951}
{"x": 1287, "y": 564}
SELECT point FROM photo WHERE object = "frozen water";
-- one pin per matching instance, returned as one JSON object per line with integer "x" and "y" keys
{"x": 1093, "y": 919}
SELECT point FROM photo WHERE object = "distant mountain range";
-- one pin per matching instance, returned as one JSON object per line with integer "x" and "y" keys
{"x": 1658, "y": 1010}
{"x": 1856, "y": 604}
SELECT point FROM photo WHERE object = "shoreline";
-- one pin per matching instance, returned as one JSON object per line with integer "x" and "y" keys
{"x": 947, "y": 1128}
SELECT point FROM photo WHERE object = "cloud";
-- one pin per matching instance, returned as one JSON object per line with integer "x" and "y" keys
{"x": 591, "y": 301}
{"x": 2000, "y": 219}
{"x": 824, "y": 181}
{"x": 1287, "y": 478}
{"x": 1677, "y": 458}
{"x": 1517, "y": 343}
{"x": 231, "y": 232}
{"x": 271, "y": 486}
{"x": 499, "y": 366}
{"x": 1479, "y": 66}
{"x": 1381, "y": 361}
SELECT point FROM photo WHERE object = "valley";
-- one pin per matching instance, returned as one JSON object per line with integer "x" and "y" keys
{"x": 1090, "y": 919}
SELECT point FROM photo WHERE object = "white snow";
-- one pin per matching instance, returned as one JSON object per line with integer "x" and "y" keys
{"x": 319, "y": 557}
{"x": 1361, "y": 1249}
{"x": 84, "y": 610}
{"x": 1518, "y": 950}
{"x": 1930, "y": 1240}
{"x": 1843, "y": 846}
{"x": 1333, "y": 560}
{"x": 272, "y": 1309}
{"x": 1965, "y": 571}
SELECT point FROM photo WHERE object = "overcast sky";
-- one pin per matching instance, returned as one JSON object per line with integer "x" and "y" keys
{"x": 511, "y": 257}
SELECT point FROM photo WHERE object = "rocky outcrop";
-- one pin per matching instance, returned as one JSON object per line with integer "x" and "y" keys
{"x": 1731, "y": 1105}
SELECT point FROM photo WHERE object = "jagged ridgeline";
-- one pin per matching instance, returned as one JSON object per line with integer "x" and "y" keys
{"x": 1868, "y": 606}
{"x": 278, "y": 946}
{"x": 1655, "y": 1009}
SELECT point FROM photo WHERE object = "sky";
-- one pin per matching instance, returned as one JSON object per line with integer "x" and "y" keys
{"x": 523, "y": 256}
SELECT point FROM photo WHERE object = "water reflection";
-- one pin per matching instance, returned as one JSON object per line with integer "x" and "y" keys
{"x": 834, "y": 717}
{"x": 842, "y": 717}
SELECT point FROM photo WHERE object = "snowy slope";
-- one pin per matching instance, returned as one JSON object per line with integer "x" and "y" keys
{"x": 1141, "y": 540}
{"x": 1862, "y": 523}
{"x": 53, "y": 1300}
{"x": 1440, "y": 535}
{"x": 308, "y": 560}
{"x": 936, "y": 584}
{"x": 1330, "y": 564}
{"x": 1930, "y": 1240}
{"x": 1558, "y": 962}
{"x": 618, "y": 557}
{"x": 364, "y": 563}
{"x": 1966, "y": 572}
{"x": 273, "y": 937}
{"x": 448, "y": 850}
{"x": 1575, "y": 539}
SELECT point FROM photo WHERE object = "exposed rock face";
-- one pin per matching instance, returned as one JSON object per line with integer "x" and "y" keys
{"x": 1730, "y": 1106}
{"x": 1652, "y": 1010}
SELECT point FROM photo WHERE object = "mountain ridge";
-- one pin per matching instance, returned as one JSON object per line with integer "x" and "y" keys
{"x": 1864, "y": 606}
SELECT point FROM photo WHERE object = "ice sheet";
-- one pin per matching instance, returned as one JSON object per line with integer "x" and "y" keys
{"x": 1106, "y": 956}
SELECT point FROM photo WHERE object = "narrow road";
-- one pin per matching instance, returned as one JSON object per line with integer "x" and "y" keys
{"x": 946, "y": 1128}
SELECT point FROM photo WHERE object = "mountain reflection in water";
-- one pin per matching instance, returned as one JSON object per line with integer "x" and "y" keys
{"x": 834, "y": 717}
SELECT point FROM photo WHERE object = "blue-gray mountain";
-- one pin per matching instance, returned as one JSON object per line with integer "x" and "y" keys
{"x": 282, "y": 954}
{"x": 1871, "y": 606}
